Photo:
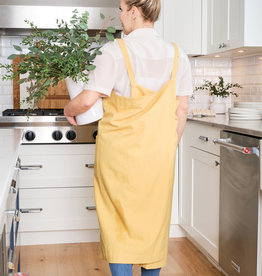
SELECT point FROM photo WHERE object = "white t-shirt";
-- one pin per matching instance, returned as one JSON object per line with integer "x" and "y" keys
{"x": 152, "y": 60}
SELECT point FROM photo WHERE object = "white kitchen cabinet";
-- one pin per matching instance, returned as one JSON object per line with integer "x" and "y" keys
{"x": 180, "y": 22}
{"x": 231, "y": 24}
{"x": 199, "y": 186}
{"x": 57, "y": 195}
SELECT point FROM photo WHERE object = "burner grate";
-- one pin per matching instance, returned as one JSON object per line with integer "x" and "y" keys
{"x": 33, "y": 112}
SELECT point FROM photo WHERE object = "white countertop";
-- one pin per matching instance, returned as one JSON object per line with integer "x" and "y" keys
{"x": 10, "y": 140}
{"x": 252, "y": 127}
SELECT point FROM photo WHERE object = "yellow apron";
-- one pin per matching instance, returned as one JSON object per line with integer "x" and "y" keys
{"x": 134, "y": 172}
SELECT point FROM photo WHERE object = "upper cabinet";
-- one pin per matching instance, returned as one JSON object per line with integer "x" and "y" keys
{"x": 180, "y": 22}
{"x": 203, "y": 27}
{"x": 231, "y": 24}
{"x": 224, "y": 25}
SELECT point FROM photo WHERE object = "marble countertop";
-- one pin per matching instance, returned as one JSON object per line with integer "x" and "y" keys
{"x": 10, "y": 140}
{"x": 253, "y": 128}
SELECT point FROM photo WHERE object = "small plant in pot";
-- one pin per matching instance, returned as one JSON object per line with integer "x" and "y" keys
{"x": 65, "y": 53}
{"x": 219, "y": 91}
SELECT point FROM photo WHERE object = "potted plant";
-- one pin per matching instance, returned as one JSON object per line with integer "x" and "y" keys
{"x": 219, "y": 91}
{"x": 56, "y": 55}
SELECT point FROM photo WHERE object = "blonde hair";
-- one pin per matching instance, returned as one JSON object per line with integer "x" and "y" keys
{"x": 150, "y": 8}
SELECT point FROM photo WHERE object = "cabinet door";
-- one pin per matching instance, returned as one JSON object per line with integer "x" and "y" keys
{"x": 185, "y": 179}
{"x": 159, "y": 24}
{"x": 205, "y": 200}
{"x": 223, "y": 25}
{"x": 216, "y": 24}
{"x": 199, "y": 187}
{"x": 235, "y": 24}
{"x": 182, "y": 24}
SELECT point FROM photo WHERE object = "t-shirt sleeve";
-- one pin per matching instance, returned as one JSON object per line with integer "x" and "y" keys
{"x": 184, "y": 83}
{"x": 103, "y": 78}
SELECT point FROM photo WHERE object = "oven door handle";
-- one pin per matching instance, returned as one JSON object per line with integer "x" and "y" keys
{"x": 31, "y": 210}
{"x": 227, "y": 144}
{"x": 30, "y": 167}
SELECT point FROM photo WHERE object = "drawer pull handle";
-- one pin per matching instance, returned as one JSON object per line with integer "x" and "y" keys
{"x": 91, "y": 208}
{"x": 31, "y": 167}
{"x": 31, "y": 210}
{"x": 235, "y": 266}
{"x": 203, "y": 138}
{"x": 90, "y": 166}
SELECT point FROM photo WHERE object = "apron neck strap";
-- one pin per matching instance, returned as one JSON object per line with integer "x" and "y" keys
{"x": 127, "y": 61}
{"x": 173, "y": 76}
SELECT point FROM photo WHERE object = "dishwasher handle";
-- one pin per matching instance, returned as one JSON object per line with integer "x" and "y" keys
{"x": 227, "y": 144}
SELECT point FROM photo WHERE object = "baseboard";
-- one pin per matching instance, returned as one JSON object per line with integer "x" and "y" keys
{"x": 176, "y": 231}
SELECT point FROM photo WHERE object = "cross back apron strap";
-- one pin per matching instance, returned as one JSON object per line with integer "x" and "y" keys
{"x": 129, "y": 64}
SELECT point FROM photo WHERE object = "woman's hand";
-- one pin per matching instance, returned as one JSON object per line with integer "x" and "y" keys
{"x": 81, "y": 103}
{"x": 71, "y": 120}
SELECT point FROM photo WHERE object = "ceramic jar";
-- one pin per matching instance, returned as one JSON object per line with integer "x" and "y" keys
{"x": 93, "y": 114}
{"x": 218, "y": 105}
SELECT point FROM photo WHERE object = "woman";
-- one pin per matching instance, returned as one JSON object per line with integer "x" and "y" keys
{"x": 145, "y": 83}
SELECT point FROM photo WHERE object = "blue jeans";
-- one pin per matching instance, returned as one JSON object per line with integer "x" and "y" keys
{"x": 127, "y": 270}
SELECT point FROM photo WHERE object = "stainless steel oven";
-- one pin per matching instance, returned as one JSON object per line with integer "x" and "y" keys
{"x": 48, "y": 126}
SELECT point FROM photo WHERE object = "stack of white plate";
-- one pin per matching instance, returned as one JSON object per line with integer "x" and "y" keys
{"x": 252, "y": 105}
{"x": 244, "y": 114}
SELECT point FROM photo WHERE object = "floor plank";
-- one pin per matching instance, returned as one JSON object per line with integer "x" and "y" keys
{"x": 184, "y": 259}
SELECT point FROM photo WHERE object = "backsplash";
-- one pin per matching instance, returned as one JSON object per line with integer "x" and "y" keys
{"x": 6, "y": 87}
{"x": 208, "y": 69}
{"x": 247, "y": 71}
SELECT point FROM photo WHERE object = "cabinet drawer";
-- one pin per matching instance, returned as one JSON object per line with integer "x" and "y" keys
{"x": 57, "y": 209}
{"x": 44, "y": 171}
{"x": 201, "y": 136}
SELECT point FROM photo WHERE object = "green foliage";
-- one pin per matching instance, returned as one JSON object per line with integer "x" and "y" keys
{"x": 54, "y": 55}
{"x": 219, "y": 89}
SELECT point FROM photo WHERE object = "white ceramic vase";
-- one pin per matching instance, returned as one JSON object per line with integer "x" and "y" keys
{"x": 93, "y": 114}
{"x": 218, "y": 105}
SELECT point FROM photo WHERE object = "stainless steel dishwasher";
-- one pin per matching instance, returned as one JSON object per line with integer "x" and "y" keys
{"x": 239, "y": 241}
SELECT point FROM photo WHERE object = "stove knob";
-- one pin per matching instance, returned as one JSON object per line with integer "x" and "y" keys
{"x": 94, "y": 134}
{"x": 57, "y": 135}
{"x": 71, "y": 135}
{"x": 30, "y": 135}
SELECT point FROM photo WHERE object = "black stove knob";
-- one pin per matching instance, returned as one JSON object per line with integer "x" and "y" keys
{"x": 71, "y": 135}
{"x": 57, "y": 135}
{"x": 29, "y": 135}
{"x": 94, "y": 134}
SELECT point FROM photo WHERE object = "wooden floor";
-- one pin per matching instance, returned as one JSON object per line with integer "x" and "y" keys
{"x": 83, "y": 260}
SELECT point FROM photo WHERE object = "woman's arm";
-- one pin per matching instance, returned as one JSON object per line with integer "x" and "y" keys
{"x": 181, "y": 113}
{"x": 81, "y": 103}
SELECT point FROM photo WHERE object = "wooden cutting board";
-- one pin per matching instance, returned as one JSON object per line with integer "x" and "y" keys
{"x": 57, "y": 97}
